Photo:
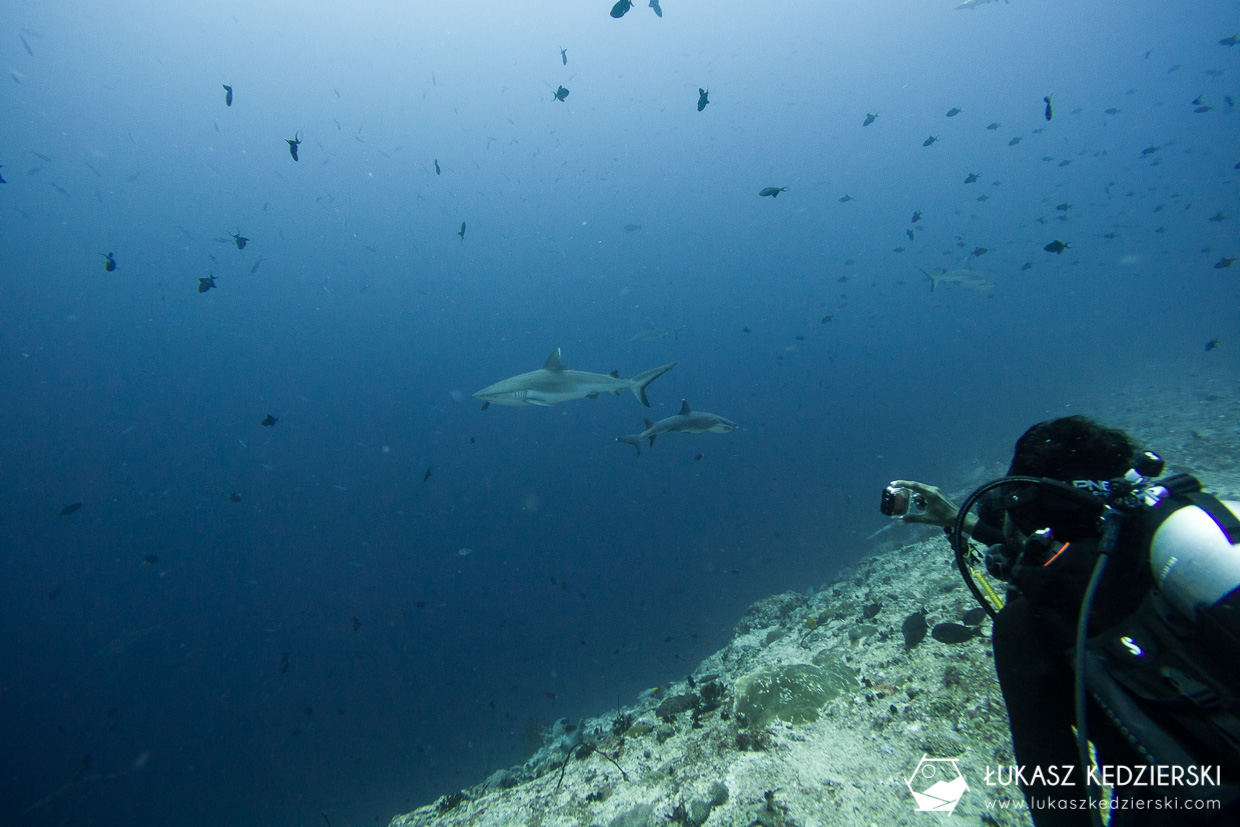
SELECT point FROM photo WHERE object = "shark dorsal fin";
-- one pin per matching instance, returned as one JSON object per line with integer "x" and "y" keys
{"x": 649, "y": 424}
{"x": 684, "y": 407}
{"x": 616, "y": 374}
{"x": 553, "y": 363}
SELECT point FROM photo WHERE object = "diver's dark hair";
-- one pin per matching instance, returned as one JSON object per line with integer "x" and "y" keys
{"x": 1071, "y": 448}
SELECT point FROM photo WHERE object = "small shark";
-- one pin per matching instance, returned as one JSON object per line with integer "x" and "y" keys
{"x": 967, "y": 279}
{"x": 688, "y": 421}
{"x": 553, "y": 383}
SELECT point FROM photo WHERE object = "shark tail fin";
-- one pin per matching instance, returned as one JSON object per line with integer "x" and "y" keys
{"x": 633, "y": 439}
{"x": 639, "y": 382}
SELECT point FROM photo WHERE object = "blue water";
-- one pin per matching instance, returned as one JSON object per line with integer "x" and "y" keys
{"x": 323, "y": 646}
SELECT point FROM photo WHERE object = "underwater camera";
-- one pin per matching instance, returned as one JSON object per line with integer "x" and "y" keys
{"x": 896, "y": 502}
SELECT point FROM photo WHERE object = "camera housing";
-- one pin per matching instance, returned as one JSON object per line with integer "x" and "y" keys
{"x": 896, "y": 501}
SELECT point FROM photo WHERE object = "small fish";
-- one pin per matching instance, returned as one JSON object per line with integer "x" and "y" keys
{"x": 1230, "y": 41}
{"x": 871, "y": 610}
{"x": 621, "y": 8}
{"x": 427, "y": 475}
{"x": 293, "y": 144}
{"x": 954, "y": 633}
{"x": 1064, "y": 207}
{"x": 109, "y": 262}
{"x": 254, "y": 269}
{"x": 559, "y": 94}
{"x": 972, "y": 177}
{"x": 930, "y": 140}
{"x": 461, "y": 232}
{"x": 1110, "y": 235}
{"x": 914, "y": 629}
{"x": 2, "y": 181}
{"x": 1224, "y": 263}
{"x": 234, "y": 497}
{"x": 979, "y": 251}
{"x": 772, "y": 191}
{"x": 1064, "y": 163}
{"x": 1056, "y": 246}
{"x": 953, "y": 112}
{"x": 983, "y": 197}
{"x": 1112, "y": 111}
{"x": 826, "y": 319}
{"x": 1014, "y": 141}
{"x": 1211, "y": 345}
{"x": 1048, "y": 112}
{"x": 564, "y": 56}
{"x": 1026, "y": 266}
{"x": 974, "y": 617}
{"x": 66, "y": 510}
{"x": 658, "y": 10}
{"x": 437, "y": 166}
{"x": 1201, "y": 109}
{"x": 269, "y": 421}
{"x": 206, "y": 284}
{"x": 1150, "y": 150}
{"x": 239, "y": 240}
{"x": 697, "y": 458}
{"x": 702, "y": 100}
{"x": 1197, "y": 101}
{"x": 916, "y": 216}
{"x": 992, "y": 127}
{"x": 227, "y": 95}
{"x": 1218, "y": 216}
{"x": 846, "y": 199}
{"x": 870, "y": 117}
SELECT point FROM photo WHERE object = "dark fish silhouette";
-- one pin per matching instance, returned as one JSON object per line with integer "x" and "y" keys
{"x": 871, "y": 610}
{"x": 992, "y": 127}
{"x": 564, "y": 56}
{"x": 621, "y": 8}
{"x": 772, "y": 191}
{"x": 227, "y": 95}
{"x": 1056, "y": 246}
{"x": 1226, "y": 41}
{"x": 910, "y": 235}
{"x": 1201, "y": 109}
{"x": 826, "y": 319}
{"x": 109, "y": 263}
{"x": 2, "y": 181}
{"x": 206, "y": 284}
{"x": 698, "y": 457}
{"x": 427, "y": 475}
{"x": 560, "y": 94}
{"x": 702, "y": 101}
{"x": 293, "y": 144}
{"x": 436, "y": 166}
{"x": 461, "y": 233}
{"x": 1064, "y": 207}
{"x": 870, "y": 117}
{"x": 974, "y": 617}
{"x": 269, "y": 421}
{"x": 914, "y": 629}
{"x": 1026, "y": 266}
{"x": 1014, "y": 141}
{"x": 954, "y": 633}
{"x": 1048, "y": 107}
{"x": 239, "y": 240}
{"x": 953, "y": 112}
{"x": 1150, "y": 150}
{"x": 972, "y": 177}
{"x": 234, "y": 497}
{"x": 979, "y": 251}
{"x": 929, "y": 140}
{"x": 357, "y": 624}
{"x": 1112, "y": 111}
{"x": 654, "y": 4}
{"x": 1211, "y": 345}
{"x": 1224, "y": 263}
{"x": 66, "y": 510}
{"x": 916, "y": 216}
{"x": 846, "y": 198}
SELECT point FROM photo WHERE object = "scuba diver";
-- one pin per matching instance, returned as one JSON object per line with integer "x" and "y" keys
{"x": 1120, "y": 624}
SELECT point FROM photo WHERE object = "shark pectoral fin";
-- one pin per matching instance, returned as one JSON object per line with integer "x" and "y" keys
{"x": 639, "y": 382}
{"x": 652, "y": 436}
{"x": 592, "y": 396}
{"x": 633, "y": 439}
{"x": 553, "y": 363}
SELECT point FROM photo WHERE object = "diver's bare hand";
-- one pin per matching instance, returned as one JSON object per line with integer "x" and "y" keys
{"x": 938, "y": 509}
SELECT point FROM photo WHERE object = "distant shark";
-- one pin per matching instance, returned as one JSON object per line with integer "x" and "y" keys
{"x": 967, "y": 279}
{"x": 688, "y": 421}
{"x": 554, "y": 383}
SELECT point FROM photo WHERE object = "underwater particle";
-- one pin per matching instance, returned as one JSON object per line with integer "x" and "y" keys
{"x": 702, "y": 98}
{"x": 109, "y": 263}
{"x": 239, "y": 240}
{"x": 205, "y": 284}
{"x": 914, "y": 629}
{"x": 1057, "y": 246}
{"x": 1212, "y": 345}
{"x": 930, "y": 140}
{"x": 954, "y": 633}
{"x": 559, "y": 94}
{"x": 66, "y": 510}
{"x": 772, "y": 191}
{"x": 793, "y": 693}
{"x": 621, "y": 8}
{"x": 269, "y": 421}
{"x": 227, "y": 95}
{"x": 870, "y": 117}
{"x": 953, "y": 112}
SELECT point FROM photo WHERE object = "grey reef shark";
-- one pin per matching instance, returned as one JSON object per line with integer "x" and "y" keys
{"x": 554, "y": 383}
{"x": 688, "y": 421}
